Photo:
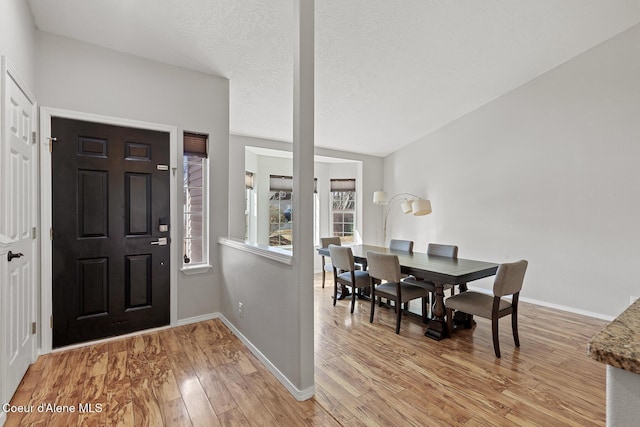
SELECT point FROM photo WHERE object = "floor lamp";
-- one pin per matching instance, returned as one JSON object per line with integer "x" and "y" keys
{"x": 411, "y": 204}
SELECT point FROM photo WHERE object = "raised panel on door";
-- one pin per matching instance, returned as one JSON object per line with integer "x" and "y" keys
{"x": 93, "y": 287}
{"x": 93, "y": 203}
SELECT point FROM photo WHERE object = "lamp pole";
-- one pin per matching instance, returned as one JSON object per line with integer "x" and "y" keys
{"x": 388, "y": 209}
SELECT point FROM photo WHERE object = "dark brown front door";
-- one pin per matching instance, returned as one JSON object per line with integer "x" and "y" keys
{"x": 110, "y": 213}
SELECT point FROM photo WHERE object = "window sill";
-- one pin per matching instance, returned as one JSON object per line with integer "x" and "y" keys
{"x": 196, "y": 269}
{"x": 271, "y": 252}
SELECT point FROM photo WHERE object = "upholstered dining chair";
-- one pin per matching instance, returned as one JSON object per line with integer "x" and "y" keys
{"x": 401, "y": 245}
{"x": 508, "y": 281}
{"x": 384, "y": 271}
{"x": 404, "y": 246}
{"x": 448, "y": 251}
{"x": 345, "y": 273}
{"x": 436, "y": 249}
{"x": 327, "y": 267}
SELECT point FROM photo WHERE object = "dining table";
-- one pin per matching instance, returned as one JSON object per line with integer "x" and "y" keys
{"x": 432, "y": 270}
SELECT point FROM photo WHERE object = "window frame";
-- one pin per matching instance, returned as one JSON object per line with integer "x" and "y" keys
{"x": 195, "y": 147}
{"x": 342, "y": 186}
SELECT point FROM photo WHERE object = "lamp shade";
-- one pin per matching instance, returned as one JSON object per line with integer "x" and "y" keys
{"x": 380, "y": 198}
{"x": 421, "y": 207}
{"x": 406, "y": 206}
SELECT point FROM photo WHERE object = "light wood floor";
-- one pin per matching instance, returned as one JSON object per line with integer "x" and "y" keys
{"x": 202, "y": 375}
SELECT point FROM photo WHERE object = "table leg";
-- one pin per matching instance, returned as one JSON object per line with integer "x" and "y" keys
{"x": 437, "y": 328}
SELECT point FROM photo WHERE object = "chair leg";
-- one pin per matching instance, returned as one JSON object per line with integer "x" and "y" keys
{"x": 335, "y": 293}
{"x": 399, "y": 316}
{"x": 514, "y": 327}
{"x": 425, "y": 303}
{"x": 353, "y": 299}
{"x": 449, "y": 321}
{"x": 427, "y": 309}
{"x": 324, "y": 273}
{"x": 373, "y": 304}
{"x": 494, "y": 329}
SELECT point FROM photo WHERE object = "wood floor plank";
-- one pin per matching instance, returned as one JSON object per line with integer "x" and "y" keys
{"x": 217, "y": 392}
{"x": 93, "y": 404}
{"x": 117, "y": 369}
{"x": 175, "y": 413}
{"x": 242, "y": 392}
{"x": 284, "y": 413}
{"x": 98, "y": 359}
{"x": 234, "y": 418}
{"x": 76, "y": 372}
{"x": 119, "y": 410}
{"x": 199, "y": 408}
{"x": 146, "y": 409}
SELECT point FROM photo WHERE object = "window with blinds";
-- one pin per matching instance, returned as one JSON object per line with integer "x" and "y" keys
{"x": 195, "y": 173}
{"x": 249, "y": 206}
{"x": 343, "y": 208}
{"x": 281, "y": 210}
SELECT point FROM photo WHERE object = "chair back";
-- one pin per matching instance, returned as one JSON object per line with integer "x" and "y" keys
{"x": 401, "y": 245}
{"x": 509, "y": 278}
{"x": 384, "y": 266}
{"x": 449, "y": 251}
{"x": 326, "y": 241}
{"x": 341, "y": 257}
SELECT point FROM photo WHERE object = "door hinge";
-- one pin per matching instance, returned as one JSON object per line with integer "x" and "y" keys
{"x": 51, "y": 141}
{"x": 33, "y": 328}
{"x": 51, "y": 322}
{"x": 34, "y": 137}
{"x": 51, "y": 233}
{"x": 34, "y": 233}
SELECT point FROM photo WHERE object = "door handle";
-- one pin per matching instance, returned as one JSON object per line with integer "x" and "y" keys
{"x": 162, "y": 241}
{"x": 11, "y": 255}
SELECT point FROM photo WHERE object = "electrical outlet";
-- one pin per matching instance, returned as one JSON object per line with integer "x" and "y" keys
{"x": 241, "y": 309}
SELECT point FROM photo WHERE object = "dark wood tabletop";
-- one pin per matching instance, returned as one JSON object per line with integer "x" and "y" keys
{"x": 438, "y": 270}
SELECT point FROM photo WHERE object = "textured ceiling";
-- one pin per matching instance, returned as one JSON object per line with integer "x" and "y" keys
{"x": 387, "y": 71}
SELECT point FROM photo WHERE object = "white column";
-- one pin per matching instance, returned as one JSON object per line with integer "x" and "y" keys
{"x": 303, "y": 147}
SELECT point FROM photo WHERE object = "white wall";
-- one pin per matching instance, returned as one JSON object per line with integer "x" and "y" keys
{"x": 82, "y": 77}
{"x": 549, "y": 173}
{"x": 18, "y": 38}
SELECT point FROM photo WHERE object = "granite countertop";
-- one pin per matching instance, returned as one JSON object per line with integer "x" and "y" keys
{"x": 618, "y": 344}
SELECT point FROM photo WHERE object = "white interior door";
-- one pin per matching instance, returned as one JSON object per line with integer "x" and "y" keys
{"x": 18, "y": 244}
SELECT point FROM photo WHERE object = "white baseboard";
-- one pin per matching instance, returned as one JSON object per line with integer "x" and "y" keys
{"x": 554, "y": 306}
{"x": 569, "y": 309}
{"x": 300, "y": 395}
{"x": 196, "y": 319}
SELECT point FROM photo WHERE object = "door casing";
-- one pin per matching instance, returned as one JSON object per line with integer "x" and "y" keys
{"x": 46, "y": 113}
